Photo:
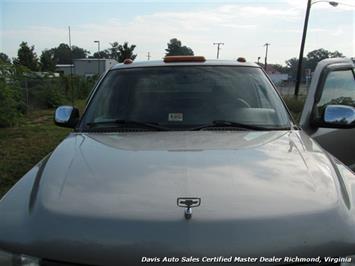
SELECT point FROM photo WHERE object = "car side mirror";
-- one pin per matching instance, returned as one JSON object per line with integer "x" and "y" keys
{"x": 66, "y": 116}
{"x": 339, "y": 116}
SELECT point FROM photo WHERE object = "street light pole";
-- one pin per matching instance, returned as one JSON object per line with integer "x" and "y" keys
{"x": 304, "y": 35}
{"x": 98, "y": 54}
{"x": 300, "y": 58}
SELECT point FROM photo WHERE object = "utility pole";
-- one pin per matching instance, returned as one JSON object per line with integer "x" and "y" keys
{"x": 71, "y": 69}
{"x": 218, "y": 47}
{"x": 266, "y": 52}
{"x": 98, "y": 60}
{"x": 148, "y": 56}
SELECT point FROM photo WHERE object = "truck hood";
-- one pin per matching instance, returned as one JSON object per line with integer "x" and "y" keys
{"x": 114, "y": 195}
{"x": 140, "y": 175}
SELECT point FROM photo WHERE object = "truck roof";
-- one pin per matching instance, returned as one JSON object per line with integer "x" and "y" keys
{"x": 211, "y": 62}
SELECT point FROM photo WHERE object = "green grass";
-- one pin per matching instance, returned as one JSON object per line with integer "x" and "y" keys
{"x": 23, "y": 146}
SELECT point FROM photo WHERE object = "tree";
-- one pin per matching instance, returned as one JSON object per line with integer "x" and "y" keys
{"x": 175, "y": 48}
{"x": 102, "y": 54}
{"x": 47, "y": 60}
{"x": 121, "y": 52}
{"x": 78, "y": 52}
{"x": 126, "y": 52}
{"x": 113, "y": 50}
{"x": 27, "y": 57}
{"x": 311, "y": 61}
{"x": 292, "y": 65}
{"x": 4, "y": 58}
{"x": 315, "y": 56}
{"x": 335, "y": 54}
{"x": 64, "y": 55}
{"x": 279, "y": 68}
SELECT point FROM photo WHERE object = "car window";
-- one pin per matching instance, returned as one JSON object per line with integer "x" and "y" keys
{"x": 339, "y": 88}
{"x": 184, "y": 96}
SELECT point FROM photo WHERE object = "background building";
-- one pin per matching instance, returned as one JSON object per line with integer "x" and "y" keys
{"x": 64, "y": 69}
{"x": 276, "y": 76}
{"x": 87, "y": 66}
{"x": 92, "y": 66}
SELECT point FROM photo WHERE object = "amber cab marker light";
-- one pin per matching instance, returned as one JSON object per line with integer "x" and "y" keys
{"x": 241, "y": 59}
{"x": 127, "y": 61}
{"x": 184, "y": 58}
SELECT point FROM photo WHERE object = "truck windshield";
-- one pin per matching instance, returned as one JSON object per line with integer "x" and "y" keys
{"x": 185, "y": 97}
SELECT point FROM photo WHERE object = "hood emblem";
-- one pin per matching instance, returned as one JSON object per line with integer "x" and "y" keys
{"x": 188, "y": 203}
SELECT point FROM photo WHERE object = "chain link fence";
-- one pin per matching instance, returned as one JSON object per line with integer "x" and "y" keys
{"x": 24, "y": 91}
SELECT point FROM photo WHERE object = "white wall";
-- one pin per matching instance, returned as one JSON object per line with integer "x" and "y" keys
{"x": 278, "y": 78}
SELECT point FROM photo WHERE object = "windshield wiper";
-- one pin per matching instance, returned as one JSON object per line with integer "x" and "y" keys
{"x": 122, "y": 123}
{"x": 225, "y": 123}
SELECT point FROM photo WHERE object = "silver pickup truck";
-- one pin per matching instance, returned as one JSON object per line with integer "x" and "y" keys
{"x": 191, "y": 160}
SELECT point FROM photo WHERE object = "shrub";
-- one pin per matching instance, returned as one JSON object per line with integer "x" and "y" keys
{"x": 83, "y": 86}
{"x": 295, "y": 105}
{"x": 11, "y": 105}
{"x": 47, "y": 93}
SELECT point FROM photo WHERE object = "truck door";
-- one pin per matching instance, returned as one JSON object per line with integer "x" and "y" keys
{"x": 329, "y": 115}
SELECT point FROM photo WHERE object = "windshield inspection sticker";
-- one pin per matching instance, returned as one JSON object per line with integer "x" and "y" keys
{"x": 175, "y": 117}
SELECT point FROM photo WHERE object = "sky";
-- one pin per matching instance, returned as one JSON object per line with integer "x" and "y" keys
{"x": 243, "y": 26}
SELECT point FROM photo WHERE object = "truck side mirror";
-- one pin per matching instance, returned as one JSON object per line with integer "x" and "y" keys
{"x": 339, "y": 116}
{"x": 66, "y": 116}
